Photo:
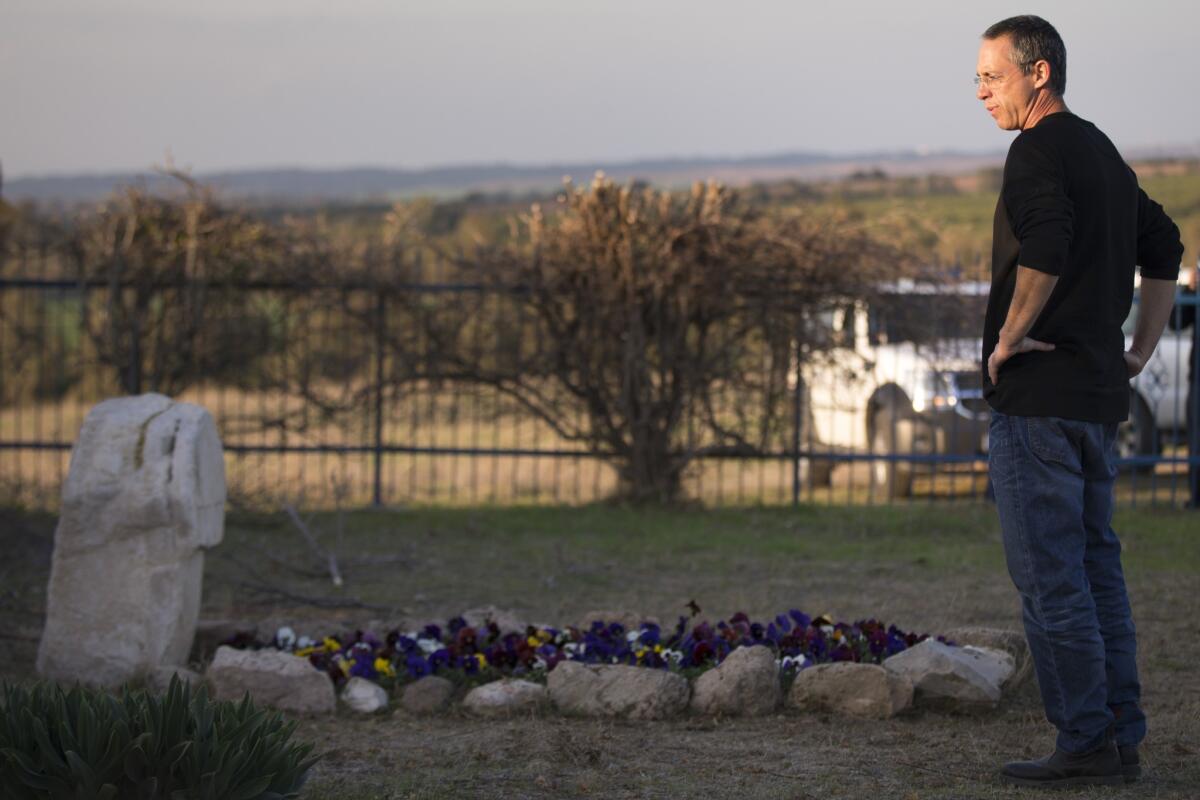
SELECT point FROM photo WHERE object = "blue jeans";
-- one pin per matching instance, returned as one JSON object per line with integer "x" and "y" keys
{"x": 1053, "y": 480}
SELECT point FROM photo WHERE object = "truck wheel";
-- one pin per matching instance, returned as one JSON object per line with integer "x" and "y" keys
{"x": 892, "y": 433}
{"x": 1138, "y": 435}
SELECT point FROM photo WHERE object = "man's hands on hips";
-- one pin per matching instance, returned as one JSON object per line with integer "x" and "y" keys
{"x": 1005, "y": 351}
{"x": 1135, "y": 362}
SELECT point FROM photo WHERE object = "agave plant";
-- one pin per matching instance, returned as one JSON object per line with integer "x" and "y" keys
{"x": 87, "y": 743}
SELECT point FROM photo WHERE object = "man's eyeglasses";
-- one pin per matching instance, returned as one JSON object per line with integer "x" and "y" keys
{"x": 987, "y": 80}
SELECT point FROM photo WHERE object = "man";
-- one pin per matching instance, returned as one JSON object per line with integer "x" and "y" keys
{"x": 1070, "y": 226}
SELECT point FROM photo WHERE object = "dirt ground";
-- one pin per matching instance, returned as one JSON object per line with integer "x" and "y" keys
{"x": 923, "y": 569}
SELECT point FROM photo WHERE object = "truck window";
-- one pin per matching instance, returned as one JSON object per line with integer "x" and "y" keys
{"x": 893, "y": 319}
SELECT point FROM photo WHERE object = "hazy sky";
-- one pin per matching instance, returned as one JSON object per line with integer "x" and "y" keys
{"x": 114, "y": 85}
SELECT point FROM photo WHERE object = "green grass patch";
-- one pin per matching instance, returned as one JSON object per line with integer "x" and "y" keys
{"x": 941, "y": 537}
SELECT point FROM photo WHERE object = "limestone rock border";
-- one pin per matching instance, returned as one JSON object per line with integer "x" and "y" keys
{"x": 747, "y": 682}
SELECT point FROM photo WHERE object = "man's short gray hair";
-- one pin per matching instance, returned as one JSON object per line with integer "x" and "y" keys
{"x": 1034, "y": 40}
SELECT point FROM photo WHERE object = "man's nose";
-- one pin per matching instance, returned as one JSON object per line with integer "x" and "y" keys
{"x": 982, "y": 92}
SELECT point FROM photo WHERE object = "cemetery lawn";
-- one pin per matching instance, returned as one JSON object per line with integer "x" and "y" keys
{"x": 926, "y": 568}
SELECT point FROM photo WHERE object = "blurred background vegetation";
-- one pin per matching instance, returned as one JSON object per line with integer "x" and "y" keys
{"x": 656, "y": 326}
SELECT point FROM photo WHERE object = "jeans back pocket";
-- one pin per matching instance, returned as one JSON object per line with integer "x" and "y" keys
{"x": 1052, "y": 439}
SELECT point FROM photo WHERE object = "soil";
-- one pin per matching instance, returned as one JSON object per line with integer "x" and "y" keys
{"x": 787, "y": 755}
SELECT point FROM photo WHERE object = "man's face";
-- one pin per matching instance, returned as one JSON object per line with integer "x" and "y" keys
{"x": 1006, "y": 92}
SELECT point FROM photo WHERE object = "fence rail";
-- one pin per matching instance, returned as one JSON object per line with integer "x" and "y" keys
{"x": 310, "y": 407}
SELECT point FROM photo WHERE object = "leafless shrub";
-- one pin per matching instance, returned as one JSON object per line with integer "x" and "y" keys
{"x": 172, "y": 309}
{"x": 646, "y": 313}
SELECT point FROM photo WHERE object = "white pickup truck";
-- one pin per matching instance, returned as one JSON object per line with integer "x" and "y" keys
{"x": 903, "y": 378}
{"x": 1158, "y": 405}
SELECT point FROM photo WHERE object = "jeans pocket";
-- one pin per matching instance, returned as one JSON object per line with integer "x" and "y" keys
{"x": 1049, "y": 441}
{"x": 997, "y": 430}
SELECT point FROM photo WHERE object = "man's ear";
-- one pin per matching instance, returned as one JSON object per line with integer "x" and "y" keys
{"x": 1041, "y": 74}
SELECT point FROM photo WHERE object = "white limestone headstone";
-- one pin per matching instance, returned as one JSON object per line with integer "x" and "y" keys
{"x": 145, "y": 494}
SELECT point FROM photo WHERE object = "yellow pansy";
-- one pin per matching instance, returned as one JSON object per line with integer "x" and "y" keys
{"x": 331, "y": 644}
{"x": 305, "y": 652}
{"x": 482, "y": 659}
{"x": 534, "y": 641}
{"x": 384, "y": 667}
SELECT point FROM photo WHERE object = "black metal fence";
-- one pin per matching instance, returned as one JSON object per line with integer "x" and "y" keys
{"x": 303, "y": 383}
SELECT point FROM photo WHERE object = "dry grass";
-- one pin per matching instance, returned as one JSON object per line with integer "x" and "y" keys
{"x": 465, "y": 420}
{"x": 923, "y": 568}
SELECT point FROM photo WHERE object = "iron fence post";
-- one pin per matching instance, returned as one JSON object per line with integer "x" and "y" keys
{"x": 133, "y": 380}
{"x": 380, "y": 322}
{"x": 796, "y": 417}
{"x": 1192, "y": 419}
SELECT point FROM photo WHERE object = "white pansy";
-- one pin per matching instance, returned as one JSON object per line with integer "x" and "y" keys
{"x": 796, "y": 662}
{"x": 632, "y": 636}
{"x": 429, "y": 645}
{"x": 570, "y": 648}
{"x": 539, "y": 663}
{"x": 305, "y": 641}
{"x": 285, "y": 637}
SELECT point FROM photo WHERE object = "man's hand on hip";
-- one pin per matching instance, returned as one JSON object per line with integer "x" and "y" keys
{"x": 1004, "y": 352}
{"x": 1135, "y": 362}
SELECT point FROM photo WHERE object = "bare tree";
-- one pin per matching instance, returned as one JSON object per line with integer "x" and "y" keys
{"x": 172, "y": 309}
{"x": 657, "y": 328}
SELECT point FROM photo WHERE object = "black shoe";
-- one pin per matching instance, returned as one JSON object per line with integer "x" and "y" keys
{"x": 1131, "y": 766}
{"x": 1098, "y": 768}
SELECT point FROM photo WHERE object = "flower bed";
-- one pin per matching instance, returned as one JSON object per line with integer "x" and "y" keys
{"x": 470, "y": 653}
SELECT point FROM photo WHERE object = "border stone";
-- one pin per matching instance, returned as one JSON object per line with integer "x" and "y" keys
{"x": 1011, "y": 642}
{"x": 745, "y": 684}
{"x": 272, "y": 678}
{"x": 861, "y": 690}
{"x": 505, "y": 697}
{"x": 617, "y": 690}
{"x": 364, "y": 696}
{"x": 953, "y": 678}
{"x": 427, "y": 694}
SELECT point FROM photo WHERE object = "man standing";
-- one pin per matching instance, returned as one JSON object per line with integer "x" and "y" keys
{"x": 1070, "y": 226}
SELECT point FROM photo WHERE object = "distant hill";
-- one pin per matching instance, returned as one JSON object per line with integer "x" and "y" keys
{"x": 312, "y": 186}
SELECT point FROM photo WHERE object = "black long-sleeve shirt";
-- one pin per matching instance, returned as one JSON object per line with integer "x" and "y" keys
{"x": 1070, "y": 206}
